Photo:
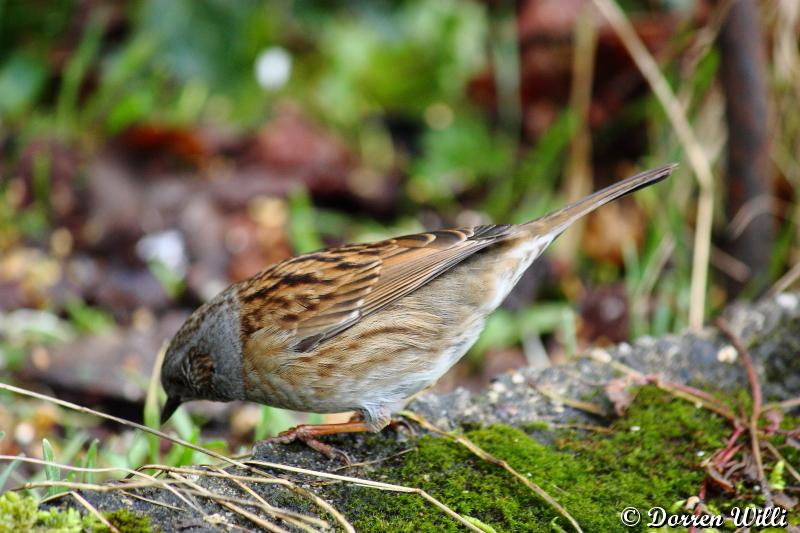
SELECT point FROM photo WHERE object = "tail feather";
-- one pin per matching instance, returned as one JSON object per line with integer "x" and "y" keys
{"x": 559, "y": 220}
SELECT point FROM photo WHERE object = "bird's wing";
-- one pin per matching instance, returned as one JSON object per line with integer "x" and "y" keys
{"x": 317, "y": 295}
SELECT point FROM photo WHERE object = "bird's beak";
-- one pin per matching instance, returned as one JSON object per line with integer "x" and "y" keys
{"x": 169, "y": 408}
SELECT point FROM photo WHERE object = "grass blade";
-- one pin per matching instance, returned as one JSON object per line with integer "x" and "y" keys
{"x": 89, "y": 462}
{"x": 51, "y": 472}
{"x": 6, "y": 473}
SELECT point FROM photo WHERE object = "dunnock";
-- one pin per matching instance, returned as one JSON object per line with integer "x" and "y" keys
{"x": 361, "y": 327}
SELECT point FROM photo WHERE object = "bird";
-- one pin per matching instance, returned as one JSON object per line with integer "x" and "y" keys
{"x": 360, "y": 327}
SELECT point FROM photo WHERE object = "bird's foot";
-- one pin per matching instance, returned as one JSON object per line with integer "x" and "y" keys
{"x": 309, "y": 434}
{"x": 401, "y": 423}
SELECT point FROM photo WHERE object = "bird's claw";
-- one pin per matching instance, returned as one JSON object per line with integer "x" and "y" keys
{"x": 308, "y": 437}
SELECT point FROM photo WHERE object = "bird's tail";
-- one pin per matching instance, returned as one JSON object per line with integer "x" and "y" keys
{"x": 558, "y": 221}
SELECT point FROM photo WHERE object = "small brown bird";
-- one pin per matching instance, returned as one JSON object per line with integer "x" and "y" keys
{"x": 362, "y": 327}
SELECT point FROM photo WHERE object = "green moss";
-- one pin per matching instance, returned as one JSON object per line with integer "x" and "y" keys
{"x": 127, "y": 521}
{"x": 21, "y": 513}
{"x": 16, "y": 512}
{"x": 651, "y": 458}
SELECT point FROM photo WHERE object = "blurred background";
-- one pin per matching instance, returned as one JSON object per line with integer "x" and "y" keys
{"x": 153, "y": 152}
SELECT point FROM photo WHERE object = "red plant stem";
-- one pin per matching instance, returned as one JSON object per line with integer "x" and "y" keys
{"x": 755, "y": 415}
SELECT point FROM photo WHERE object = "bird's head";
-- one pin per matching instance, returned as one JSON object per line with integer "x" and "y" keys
{"x": 204, "y": 359}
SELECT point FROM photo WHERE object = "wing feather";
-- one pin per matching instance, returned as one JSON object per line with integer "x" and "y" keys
{"x": 318, "y": 295}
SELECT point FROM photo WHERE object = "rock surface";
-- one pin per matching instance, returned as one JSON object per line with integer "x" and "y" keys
{"x": 770, "y": 330}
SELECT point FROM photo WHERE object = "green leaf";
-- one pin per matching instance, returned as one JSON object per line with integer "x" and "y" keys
{"x": 457, "y": 158}
{"x": 90, "y": 461}
{"x": 152, "y": 419}
{"x": 88, "y": 319}
{"x": 129, "y": 109}
{"x": 273, "y": 421}
{"x": 538, "y": 170}
{"x": 138, "y": 450}
{"x": 501, "y": 331}
{"x": 51, "y": 472}
{"x": 483, "y": 526}
{"x": 544, "y": 317}
{"x": 183, "y": 423}
{"x": 21, "y": 80}
{"x": 76, "y": 69}
{"x": 172, "y": 283}
{"x": 303, "y": 232}
{"x": 776, "y": 479}
{"x": 555, "y": 527}
{"x": 73, "y": 446}
{"x": 6, "y": 473}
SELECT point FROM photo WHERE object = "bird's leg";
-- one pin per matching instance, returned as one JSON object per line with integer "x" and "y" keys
{"x": 309, "y": 433}
{"x": 397, "y": 423}
{"x": 394, "y": 423}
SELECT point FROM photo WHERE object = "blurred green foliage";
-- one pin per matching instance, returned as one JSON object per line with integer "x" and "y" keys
{"x": 392, "y": 79}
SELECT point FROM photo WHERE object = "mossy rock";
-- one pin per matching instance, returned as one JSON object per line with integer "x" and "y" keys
{"x": 651, "y": 456}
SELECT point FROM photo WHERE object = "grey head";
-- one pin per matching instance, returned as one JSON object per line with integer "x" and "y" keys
{"x": 204, "y": 359}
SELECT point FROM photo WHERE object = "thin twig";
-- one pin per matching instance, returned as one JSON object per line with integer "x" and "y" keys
{"x": 296, "y": 519}
{"x": 262, "y": 478}
{"x": 294, "y": 488}
{"x": 321, "y": 503}
{"x": 785, "y": 281}
{"x": 220, "y": 473}
{"x": 785, "y": 405}
{"x": 694, "y": 395}
{"x": 213, "y": 496}
{"x": 152, "y": 411}
{"x": 583, "y": 427}
{"x": 374, "y": 461}
{"x": 489, "y": 458}
{"x": 122, "y": 421}
{"x": 588, "y": 407}
{"x": 156, "y": 482}
{"x": 721, "y": 458}
{"x": 152, "y": 501}
{"x": 75, "y": 485}
{"x": 679, "y": 390}
{"x": 92, "y": 509}
{"x": 257, "y": 520}
{"x": 207, "y": 473}
{"x": 786, "y": 464}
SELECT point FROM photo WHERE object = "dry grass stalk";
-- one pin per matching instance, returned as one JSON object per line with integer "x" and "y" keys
{"x": 225, "y": 502}
{"x": 587, "y": 407}
{"x": 69, "y": 405}
{"x": 155, "y": 481}
{"x": 374, "y": 484}
{"x": 578, "y": 172}
{"x": 694, "y": 152}
{"x": 92, "y": 509}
